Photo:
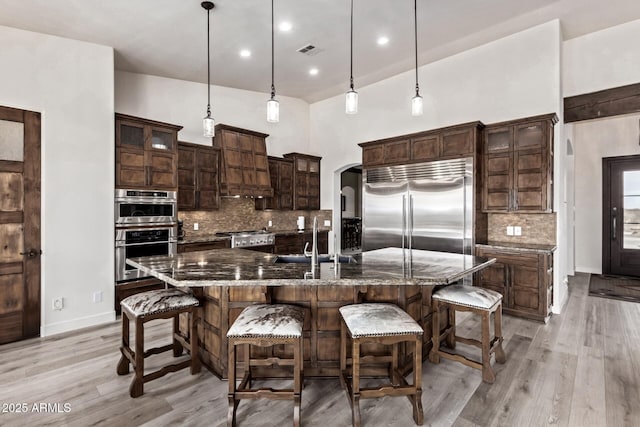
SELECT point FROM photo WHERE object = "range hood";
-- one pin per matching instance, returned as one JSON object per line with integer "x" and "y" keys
{"x": 244, "y": 166}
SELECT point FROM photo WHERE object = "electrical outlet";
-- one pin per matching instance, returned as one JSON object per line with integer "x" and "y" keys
{"x": 509, "y": 230}
{"x": 517, "y": 230}
{"x": 97, "y": 296}
{"x": 196, "y": 226}
{"x": 270, "y": 223}
{"x": 58, "y": 303}
{"x": 327, "y": 223}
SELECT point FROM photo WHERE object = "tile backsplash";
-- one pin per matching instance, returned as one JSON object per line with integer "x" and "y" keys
{"x": 536, "y": 228}
{"x": 236, "y": 214}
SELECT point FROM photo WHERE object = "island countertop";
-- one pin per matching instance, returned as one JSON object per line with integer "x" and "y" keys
{"x": 241, "y": 267}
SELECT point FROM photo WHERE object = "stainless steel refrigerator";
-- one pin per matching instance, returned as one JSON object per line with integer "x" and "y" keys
{"x": 420, "y": 206}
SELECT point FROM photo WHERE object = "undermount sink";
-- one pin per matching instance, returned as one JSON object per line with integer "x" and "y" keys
{"x": 302, "y": 259}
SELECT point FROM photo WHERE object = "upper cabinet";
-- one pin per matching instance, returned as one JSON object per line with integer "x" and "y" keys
{"x": 244, "y": 165}
{"x": 440, "y": 144}
{"x": 198, "y": 177}
{"x": 281, "y": 173}
{"x": 518, "y": 165}
{"x": 306, "y": 181}
{"x": 146, "y": 153}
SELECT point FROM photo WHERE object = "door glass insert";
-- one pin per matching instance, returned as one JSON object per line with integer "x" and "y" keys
{"x": 11, "y": 141}
{"x": 631, "y": 214}
{"x": 132, "y": 135}
{"x": 161, "y": 140}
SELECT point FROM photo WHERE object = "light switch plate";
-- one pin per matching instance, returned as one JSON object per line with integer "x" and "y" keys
{"x": 196, "y": 226}
{"x": 327, "y": 223}
{"x": 509, "y": 230}
{"x": 517, "y": 230}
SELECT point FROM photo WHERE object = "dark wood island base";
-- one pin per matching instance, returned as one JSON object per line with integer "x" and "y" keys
{"x": 221, "y": 305}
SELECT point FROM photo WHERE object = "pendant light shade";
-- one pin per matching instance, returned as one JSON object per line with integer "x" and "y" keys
{"x": 273, "y": 106}
{"x": 208, "y": 124}
{"x": 351, "y": 104}
{"x": 416, "y": 102}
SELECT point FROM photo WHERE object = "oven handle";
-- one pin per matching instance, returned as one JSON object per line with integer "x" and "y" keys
{"x": 120, "y": 244}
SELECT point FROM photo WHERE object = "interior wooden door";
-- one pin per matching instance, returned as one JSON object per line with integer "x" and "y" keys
{"x": 19, "y": 224}
{"x": 621, "y": 216}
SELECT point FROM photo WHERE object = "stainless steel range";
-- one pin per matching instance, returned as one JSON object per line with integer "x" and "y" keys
{"x": 251, "y": 239}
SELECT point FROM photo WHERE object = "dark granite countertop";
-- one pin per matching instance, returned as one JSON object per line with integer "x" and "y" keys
{"x": 524, "y": 247}
{"x": 239, "y": 267}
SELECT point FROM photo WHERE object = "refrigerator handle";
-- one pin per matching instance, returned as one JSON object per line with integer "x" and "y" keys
{"x": 404, "y": 219}
{"x": 410, "y": 234}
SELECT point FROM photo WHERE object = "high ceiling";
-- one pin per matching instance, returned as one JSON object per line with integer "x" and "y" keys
{"x": 168, "y": 37}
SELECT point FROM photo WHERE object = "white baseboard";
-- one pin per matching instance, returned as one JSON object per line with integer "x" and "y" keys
{"x": 591, "y": 270}
{"x": 79, "y": 323}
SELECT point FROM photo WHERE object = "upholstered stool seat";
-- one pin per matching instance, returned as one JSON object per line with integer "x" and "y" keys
{"x": 476, "y": 300}
{"x": 265, "y": 325}
{"x": 158, "y": 304}
{"x": 385, "y": 324}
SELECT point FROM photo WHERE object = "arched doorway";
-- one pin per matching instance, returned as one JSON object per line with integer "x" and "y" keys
{"x": 347, "y": 202}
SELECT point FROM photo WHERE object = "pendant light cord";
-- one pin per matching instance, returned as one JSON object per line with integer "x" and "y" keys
{"x": 208, "y": 67}
{"x": 273, "y": 88}
{"x": 415, "y": 38}
{"x": 351, "y": 53}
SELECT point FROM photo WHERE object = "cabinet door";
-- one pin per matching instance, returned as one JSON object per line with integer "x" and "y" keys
{"x": 498, "y": 140}
{"x": 425, "y": 148}
{"x": 396, "y": 152}
{"x": 498, "y": 182}
{"x": 529, "y": 136}
{"x": 131, "y": 171}
{"x": 285, "y": 185}
{"x": 530, "y": 181}
{"x": 495, "y": 278}
{"x": 207, "y": 178}
{"x": 161, "y": 170}
{"x": 372, "y": 155}
{"x": 186, "y": 178}
{"x": 525, "y": 285}
{"x": 457, "y": 143}
{"x": 161, "y": 139}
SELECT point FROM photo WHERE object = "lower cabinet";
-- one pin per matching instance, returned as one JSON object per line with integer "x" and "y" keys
{"x": 524, "y": 278}
{"x": 203, "y": 246}
{"x": 294, "y": 243}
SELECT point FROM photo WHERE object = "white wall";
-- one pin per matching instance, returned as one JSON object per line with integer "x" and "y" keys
{"x": 593, "y": 140}
{"x": 598, "y": 61}
{"x": 71, "y": 84}
{"x": 185, "y": 103}
{"x": 602, "y": 60}
{"x": 514, "y": 77}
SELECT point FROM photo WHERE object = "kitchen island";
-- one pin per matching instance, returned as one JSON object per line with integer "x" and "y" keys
{"x": 227, "y": 280}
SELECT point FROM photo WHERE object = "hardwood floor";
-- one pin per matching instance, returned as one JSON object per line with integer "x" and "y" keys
{"x": 581, "y": 369}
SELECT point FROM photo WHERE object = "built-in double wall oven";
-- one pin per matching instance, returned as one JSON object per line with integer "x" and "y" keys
{"x": 145, "y": 225}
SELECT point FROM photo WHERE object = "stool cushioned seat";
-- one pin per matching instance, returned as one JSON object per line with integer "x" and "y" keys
{"x": 154, "y": 302}
{"x": 376, "y": 319}
{"x": 267, "y": 320}
{"x": 469, "y": 296}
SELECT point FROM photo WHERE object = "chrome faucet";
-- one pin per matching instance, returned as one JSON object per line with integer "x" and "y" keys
{"x": 314, "y": 245}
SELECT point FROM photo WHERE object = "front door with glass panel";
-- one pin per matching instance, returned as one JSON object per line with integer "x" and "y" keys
{"x": 621, "y": 215}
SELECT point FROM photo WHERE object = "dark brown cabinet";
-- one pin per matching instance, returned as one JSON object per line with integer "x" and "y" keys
{"x": 146, "y": 153}
{"x": 281, "y": 173}
{"x": 306, "y": 181}
{"x": 518, "y": 165}
{"x": 286, "y": 244}
{"x": 524, "y": 278}
{"x": 244, "y": 165}
{"x": 203, "y": 246}
{"x": 439, "y": 144}
{"x": 198, "y": 177}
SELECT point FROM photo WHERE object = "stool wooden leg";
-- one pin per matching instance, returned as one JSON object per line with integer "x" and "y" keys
{"x": 343, "y": 357}
{"x": 418, "y": 412}
{"x": 488, "y": 375}
{"x": 246, "y": 359}
{"x": 123, "y": 363}
{"x": 434, "y": 357}
{"x": 233, "y": 403}
{"x": 177, "y": 347}
{"x": 497, "y": 328}
{"x": 451, "y": 336}
{"x": 137, "y": 385}
{"x": 193, "y": 342}
{"x": 393, "y": 374}
{"x": 297, "y": 382}
{"x": 355, "y": 398}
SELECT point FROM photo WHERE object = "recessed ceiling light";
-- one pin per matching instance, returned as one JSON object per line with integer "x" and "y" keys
{"x": 285, "y": 26}
{"x": 383, "y": 40}
{"x": 245, "y": 53}
{"x": 313, "y": 71}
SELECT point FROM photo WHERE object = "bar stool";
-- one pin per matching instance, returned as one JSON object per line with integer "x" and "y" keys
{"x": 383, "y": 324}
{"x": 476, "y": 300}
{"x": 265, "y": 325}
{"x": 158, "y": 304}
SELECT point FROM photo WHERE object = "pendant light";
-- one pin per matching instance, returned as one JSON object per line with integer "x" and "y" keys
{"x": 208, "y": 124}
{"x": 273, "y": 106}
{"x": 351, "y": 105}
{"x": 416, "y": 101}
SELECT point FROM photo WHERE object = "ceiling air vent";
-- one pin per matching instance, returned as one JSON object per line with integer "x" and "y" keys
{"x": 309, "y": 50}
